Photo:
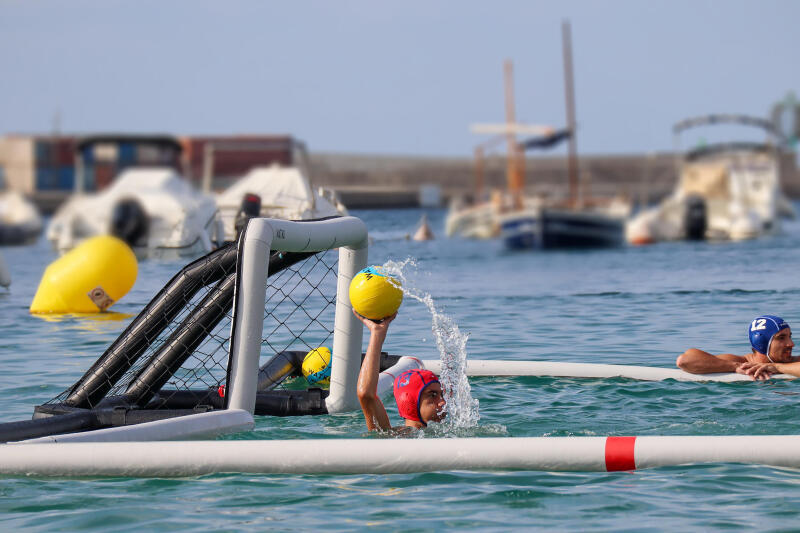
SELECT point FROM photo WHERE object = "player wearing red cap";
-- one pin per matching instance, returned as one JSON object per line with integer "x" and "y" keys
{"x": 417, "y": 392}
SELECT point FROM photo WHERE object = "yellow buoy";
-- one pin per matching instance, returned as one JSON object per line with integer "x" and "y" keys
{"x": 87, "y": 279}
{"x": 317, "y": 367}
{"x": 375, "y": 295}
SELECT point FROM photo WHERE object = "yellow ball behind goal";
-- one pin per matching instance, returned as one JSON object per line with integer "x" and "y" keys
{"x": 375, "y": 295}
{"x": 317, "y": 367}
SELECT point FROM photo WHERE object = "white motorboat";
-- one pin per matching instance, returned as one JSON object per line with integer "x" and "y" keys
{"x": 725, "y": 191}
{"x": 154, "y": 210}
{"x": 20, "y": 221}
{"x": 275, "y": 192}
{"x": 477, "y": 221}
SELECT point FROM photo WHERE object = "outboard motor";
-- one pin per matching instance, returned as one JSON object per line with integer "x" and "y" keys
{"x": 250, "y": 208}
{"x": 695, "y": 218}
{"x": 129, "y": 221}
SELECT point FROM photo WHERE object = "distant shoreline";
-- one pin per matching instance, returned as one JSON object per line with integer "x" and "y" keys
{"x": 392, "y": 181}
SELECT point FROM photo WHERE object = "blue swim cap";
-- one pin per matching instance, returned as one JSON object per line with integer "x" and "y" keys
{"x": 762, "y": 329}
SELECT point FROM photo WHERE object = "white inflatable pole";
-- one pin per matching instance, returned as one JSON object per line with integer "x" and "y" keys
{"x": 348, "y": 334}
{"x": 248, "y": 303}
{"x": 392, "y": 456}
{"x": 481, "y": 367}
{"x": 199, "y": 426}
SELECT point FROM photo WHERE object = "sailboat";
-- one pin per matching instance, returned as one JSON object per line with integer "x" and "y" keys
{"x": 577, "y": 223}
{"x": 480, "y": 218}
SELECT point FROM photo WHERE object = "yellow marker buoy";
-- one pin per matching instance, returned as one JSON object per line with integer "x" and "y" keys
{"x": 87, "y": 279}
{"x": 375, "y": 295}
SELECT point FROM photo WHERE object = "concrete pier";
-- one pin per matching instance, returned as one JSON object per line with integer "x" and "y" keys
{"x": 392, "y": 181}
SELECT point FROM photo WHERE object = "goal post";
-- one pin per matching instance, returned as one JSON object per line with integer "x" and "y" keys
{"x": 349, "y": 235}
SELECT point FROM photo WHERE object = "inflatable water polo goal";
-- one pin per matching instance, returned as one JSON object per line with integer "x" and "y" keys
{"x": 189, "y": 367}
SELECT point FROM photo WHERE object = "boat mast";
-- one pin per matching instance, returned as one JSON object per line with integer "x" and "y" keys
{"x": 478, "y": 174}
{"x": 480, "y": 164}
{"x": 513, "y": 169}
{"x": 569, "y": 94}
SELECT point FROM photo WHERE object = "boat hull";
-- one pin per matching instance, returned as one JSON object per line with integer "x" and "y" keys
{"x": 557, "y": 228}
{"x": 18, "y": 234}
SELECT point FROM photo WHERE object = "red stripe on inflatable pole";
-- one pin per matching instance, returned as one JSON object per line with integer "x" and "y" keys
{"x": 619, "y": 453}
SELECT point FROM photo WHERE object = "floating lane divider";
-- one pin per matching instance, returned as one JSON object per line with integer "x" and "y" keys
{"x": 486, "y": 367}
{"x": 392, "y": 456}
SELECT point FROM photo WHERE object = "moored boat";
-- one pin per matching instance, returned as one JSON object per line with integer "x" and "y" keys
{"x": 129, "y": 186}
{"x": 154, "y": 210}
{"x": 578, "y": 222}
{"x": 725, "y": 191}
{"x": 275, "y": 192}
{"x": 20, "y": 221}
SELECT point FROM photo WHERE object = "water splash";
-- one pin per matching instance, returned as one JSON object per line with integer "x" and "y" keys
{"x": 461, "y": 408}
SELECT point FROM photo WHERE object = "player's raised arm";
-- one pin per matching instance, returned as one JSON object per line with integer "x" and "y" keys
{"x": 372, "y": 406}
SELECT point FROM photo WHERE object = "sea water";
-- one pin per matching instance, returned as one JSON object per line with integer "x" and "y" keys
{"x": 631, "y": 305}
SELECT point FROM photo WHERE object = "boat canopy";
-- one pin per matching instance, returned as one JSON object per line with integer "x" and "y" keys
{"x": 720, "y": 148}
{"x": 727, "y": 118}
{"x": 125, "y": 138}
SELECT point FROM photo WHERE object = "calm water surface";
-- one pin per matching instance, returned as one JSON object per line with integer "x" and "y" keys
{"x": 639, "y": 306}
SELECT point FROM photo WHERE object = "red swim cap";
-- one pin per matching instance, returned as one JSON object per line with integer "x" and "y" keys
{"x": 408, "y": 389}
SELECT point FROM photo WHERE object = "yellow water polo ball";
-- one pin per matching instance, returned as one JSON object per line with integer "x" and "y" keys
{"x": 375, "y": 295}
{"x": 317, "y": 367}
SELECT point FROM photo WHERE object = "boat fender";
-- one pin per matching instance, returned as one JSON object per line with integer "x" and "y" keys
{"x": 89, "y": 278}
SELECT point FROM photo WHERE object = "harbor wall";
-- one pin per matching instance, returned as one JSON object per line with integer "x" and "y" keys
{"x": 43, "y": 168}
{"x": 387, "y": 181}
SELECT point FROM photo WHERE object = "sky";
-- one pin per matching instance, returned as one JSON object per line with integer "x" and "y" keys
{"x": 379, "y": 77}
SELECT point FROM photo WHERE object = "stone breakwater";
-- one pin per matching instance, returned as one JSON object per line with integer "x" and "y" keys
{"x": 387, "y": 181}
{"x": 394, "y": 181}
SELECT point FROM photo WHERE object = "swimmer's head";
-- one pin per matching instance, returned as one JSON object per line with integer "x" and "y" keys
{"x": 763, "y": 330}
{"x": 418, "y": 394}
